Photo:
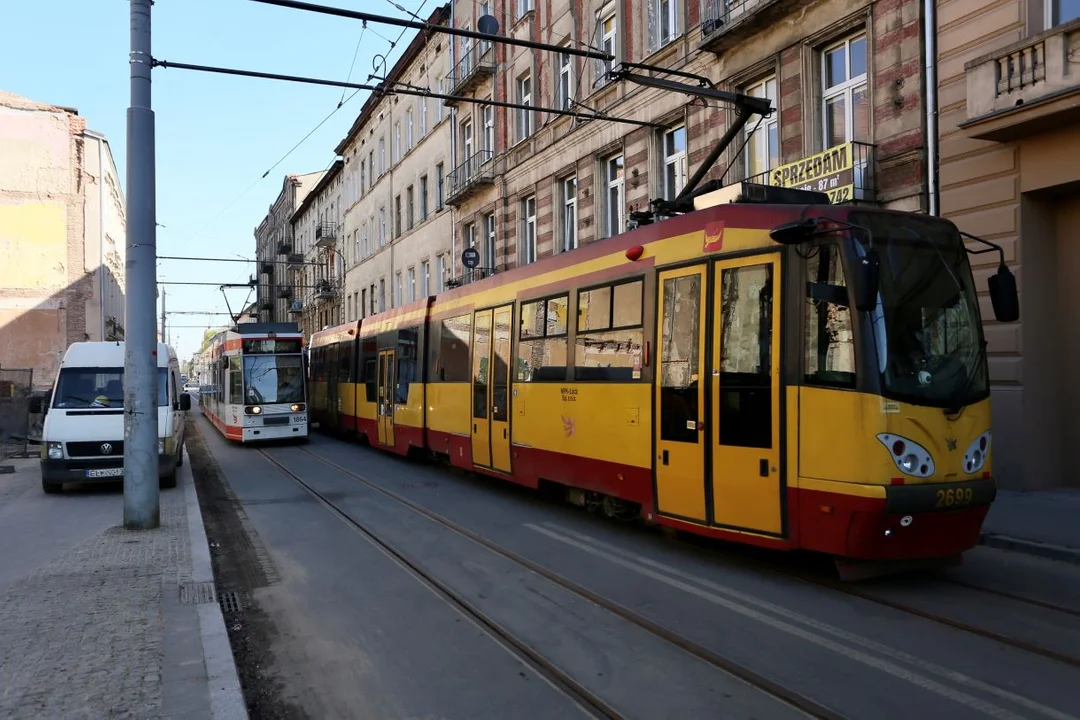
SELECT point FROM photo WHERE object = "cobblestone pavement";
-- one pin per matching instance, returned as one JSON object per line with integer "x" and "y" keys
{"x": 81, "y": 637}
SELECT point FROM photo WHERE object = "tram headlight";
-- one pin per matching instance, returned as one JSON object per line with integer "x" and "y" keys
{"x": 910, "y": 457}
{"x": 253, "y": 409}
{"x": 298, "y": 407}
{"x": 976, "y": 454}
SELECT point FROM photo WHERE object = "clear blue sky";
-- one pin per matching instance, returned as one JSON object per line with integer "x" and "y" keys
{"x": 216, "y": 135}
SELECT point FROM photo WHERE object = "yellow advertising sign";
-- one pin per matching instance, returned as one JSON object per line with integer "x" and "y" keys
{"x": 831, "y": 171}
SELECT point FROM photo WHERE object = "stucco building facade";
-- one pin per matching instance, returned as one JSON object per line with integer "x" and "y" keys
{"x": 398, "y": 234}
{"x": 274, "y": 248}
{"x": 1009, "y": 102}
{"x": 62, "y": 236}
{"x": 316, "y": 265}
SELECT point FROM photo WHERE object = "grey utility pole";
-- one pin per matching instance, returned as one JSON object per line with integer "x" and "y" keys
{"x": 142, "y": 509}
{"x": 164, "y": 337}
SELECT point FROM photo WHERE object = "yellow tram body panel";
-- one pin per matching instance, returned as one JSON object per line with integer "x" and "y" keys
{"x": 449, "y": 407}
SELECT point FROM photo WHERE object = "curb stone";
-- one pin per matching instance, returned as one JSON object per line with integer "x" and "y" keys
{"x": 226, "y": 695}
{"x": 1031, "y": 547}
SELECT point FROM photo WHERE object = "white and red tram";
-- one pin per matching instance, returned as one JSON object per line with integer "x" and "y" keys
{"x": 253, "y": 386}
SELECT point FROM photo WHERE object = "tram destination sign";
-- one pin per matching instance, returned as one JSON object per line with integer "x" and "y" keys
{"x": 831, "y": 171}
{"x": 261, "y": 346}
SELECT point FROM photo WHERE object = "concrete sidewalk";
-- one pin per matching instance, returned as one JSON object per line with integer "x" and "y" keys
{"x": 96, "y": 621}
{"x": 1045, "y": 523}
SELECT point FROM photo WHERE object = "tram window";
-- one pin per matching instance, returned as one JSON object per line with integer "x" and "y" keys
{"x": 236, "y": 380}
{"x": 542, "y": 344}
{"x": 481, "y": 367}
{"x": 680, "y": 343}
{"x": 452, "y": 362}
{"x": 345, "y": 362}
{"x": 407, "y": 354}
{"x": 746, "y": 356}
{"x": 369, "y": 359}
{"x": 830, "y": 342}
{"x": 610, "y": 335}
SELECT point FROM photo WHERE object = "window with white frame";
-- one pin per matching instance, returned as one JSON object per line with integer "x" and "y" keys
{"x": 485, "y": 9}
{"x": 363, "y": 249}
{"x": 565, "y": 82}
{"x": 613, "y": 200}
{"x": 356, "y": 246}
{"x": 382, "y": 156}
{"x": 674, "y": 161}
{"x": 363, "y": 176}
{"x": 469, "y": 240}
{"x": 663, "y": 22}
{"x": 422, "y": 103}
{"x": 523, "y": 6}
{"x": 1058, "y": 12}
{"x": 524, "y": 97}
{"x": 408, "y": 130}
{"x": 763, "y": 144}
{"x": 371, "y": 167}
{"x": 372, "y": 237}
{"x": 397, "y": 142}
{"x": 382, "y": 294}
{"x": 423, "y": 198}
{"x": 488, "y": 114}
{"x": 440, "y": 187}
{"x": 845, "y": 99}
{"x": 607, "y": 29}
{"x": 397, "y": 289}
{"x": 382, "y": 227}
{"x": 410, "y": 207}
{"x": 425, "y": 274}
{"x": 528, "y": 230}
{"x": 466, "y": 58}
{"x": 412, "y": 284}
{"x": 489, "y": 243}
{"x": 467, "y": 144}
{"x": 568, "y": 190}
{"x": 440, "y": 272}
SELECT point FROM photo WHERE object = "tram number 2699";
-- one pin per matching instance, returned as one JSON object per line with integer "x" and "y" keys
{"x": 957, "y": 497}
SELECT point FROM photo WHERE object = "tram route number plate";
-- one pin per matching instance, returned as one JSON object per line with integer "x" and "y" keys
{"x": 105, "y": 472}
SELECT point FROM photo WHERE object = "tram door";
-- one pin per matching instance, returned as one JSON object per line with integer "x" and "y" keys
{"x": 333, "y": 402}
{"x": 680, "y": 394}
{"x": 491, "y": 388}
{"x": 385, "y": 395}
{"x": 745, "y": 391}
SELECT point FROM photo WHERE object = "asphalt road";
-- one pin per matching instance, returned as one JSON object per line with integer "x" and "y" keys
{"x": 357, "y": 634}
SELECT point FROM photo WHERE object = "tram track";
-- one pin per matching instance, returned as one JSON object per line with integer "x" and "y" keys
{"x": 534, "y": 658}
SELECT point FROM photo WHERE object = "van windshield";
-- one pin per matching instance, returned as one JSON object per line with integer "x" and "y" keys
{"x": 93, "y": 388}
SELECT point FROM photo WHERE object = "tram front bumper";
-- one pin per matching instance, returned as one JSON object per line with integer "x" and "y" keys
{"x": 275, "y": 432}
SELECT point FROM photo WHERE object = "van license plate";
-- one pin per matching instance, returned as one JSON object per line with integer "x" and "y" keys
{"x": 105, "y": 472}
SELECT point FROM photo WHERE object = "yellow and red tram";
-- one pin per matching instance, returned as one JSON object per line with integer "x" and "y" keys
{"x": 790, "y": 376}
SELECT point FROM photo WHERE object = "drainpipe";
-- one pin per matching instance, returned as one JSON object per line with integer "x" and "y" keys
{"x": 100, "y": 139}
{"x": 452, "y": 43}
{"x": 932, "y": 140}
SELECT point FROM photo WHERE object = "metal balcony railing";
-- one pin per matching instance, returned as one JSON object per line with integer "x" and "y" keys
{"x": 296, "y": 306}
{"x": 846, "y": 172}
{"x": 325, "y": 234}
{"x": 470, "y": 70}
{"x": 284, "y": 247}
{"x": 470, "y": 276}
{"x": 295, "y": 261}
{"x": 325, "y": 290}
{"x": 285, "y": 293}
{"x": 476, "y": 172}
{"x": 725, "y": 23}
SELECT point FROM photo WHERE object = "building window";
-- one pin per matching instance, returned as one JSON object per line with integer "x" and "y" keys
{"x": 397, "y": 216}
{"x": 410, "y": 206}
{"x": 422, "y": 102}
{"x": 382, "y": 156}
{"x": 382, "y": 294}
{"x": 528, "y": 230}
{"x": 674, "y": 161}
{"x": 565, "y": 82}
{"x": 412, "y": 284}
{"x": 363, "y": 176}
{"x": 613, "y": 178}
{"x": 361, "y": 252}
{"x": 397, "y": 142}
{"x": 488, "y": 114}
{"x": 523, "y": 6}
{"x": 408, "y": 130}
{"x": 440, "y": 190}
{"x": 524, "y": 97}
{"x": 371, "y": 295}
{"x": 425, "y": 272}
{"x": 440, "y": 271}
{"x": 363, "y": 303}
{"x": 489, "y": 246}
{"x": 763, "y": 144}
{"x": 845, "y": 104}
{"x": 1058, "y": 12}
{"x": 397, "y": 289}
{"x": 466, "y": 144}
{"x": 568, "y": 188}
{"x": 356, "y": 246}
{"x": 663, "y": 23}
{"x": 423, "y": 198}
{"x": 606, "y": 27}
{"x": 382, "y": 227}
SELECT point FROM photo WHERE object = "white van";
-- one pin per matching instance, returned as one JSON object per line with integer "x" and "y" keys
{"x": 83, "y": 436}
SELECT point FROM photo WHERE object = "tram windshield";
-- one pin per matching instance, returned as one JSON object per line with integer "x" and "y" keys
{"x": 273, "y": 379}
{"x": 927, "y": 325}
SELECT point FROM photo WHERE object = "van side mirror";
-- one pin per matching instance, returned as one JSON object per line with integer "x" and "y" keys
{"x": 1003, "y": 295}
{"x": 867, "y": 277}
{"x": 185, "y": 402}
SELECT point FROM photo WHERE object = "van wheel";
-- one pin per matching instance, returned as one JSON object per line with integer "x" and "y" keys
{"x": 180, "y": 456}
{"x": 51, "y": 488}
{"x": 168, "y": 482}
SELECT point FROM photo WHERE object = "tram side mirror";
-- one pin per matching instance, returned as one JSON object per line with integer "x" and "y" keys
{"x": 867, "y": 275}
{"x": 793, "y": 233}
{"x": 1003, "y": 295}
{"x": 185, "y": 402}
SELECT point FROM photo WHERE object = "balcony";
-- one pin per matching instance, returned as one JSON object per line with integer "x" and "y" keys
{"x": 267, "y": 268}
{"x": 847, "y": 172}
{"x": 296, "y": 306}
{"x": 469, "y": 177}
{"x": 726, "y": 23}
{"x": 285, "y": 293}
{"x": 470, "y": 276}
{"x": 470, "y": 71}
{"x": 284, "y": 247}
{"x": 295, "y": 261}
{"x": 1025, "y": 88}
{"x": 325, "y": 234}
{"x": 325, "y": 290}
{"x": 266, "y": 305}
